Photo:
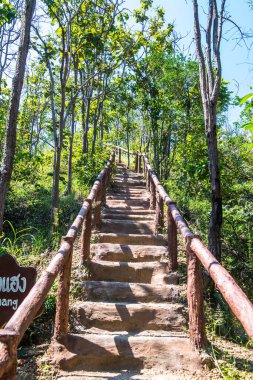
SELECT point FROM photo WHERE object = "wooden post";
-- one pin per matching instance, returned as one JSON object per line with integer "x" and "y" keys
{"x": 159, "y": 222}
{"x": 86, "y": 235}
{"x": 119, "y": 156}
{"x": 148, "y": 181}
{"x": 172, "y": 242}
{"x": 144, "y": 167}
{"x": 8, "y": 354}
{"x": 97, "y": 212}
{"x": 139, "y": 163}
{"x": 152, "y": 195}
{"x": 195, "y": 299}
{"x": 136, "y": 162}
{"x": 103, "y": 189}
{"x": 62, "y": 303}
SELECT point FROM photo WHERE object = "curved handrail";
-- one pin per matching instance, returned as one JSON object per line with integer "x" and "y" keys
{"x": 230, "y": 290}
{"x": 14, "y": 330}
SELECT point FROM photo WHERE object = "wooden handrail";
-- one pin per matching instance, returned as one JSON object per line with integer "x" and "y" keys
{"x": 14, "y": 330}
{"x": 230, "y": 290}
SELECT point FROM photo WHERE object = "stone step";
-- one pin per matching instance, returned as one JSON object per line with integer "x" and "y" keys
{"x": 133, "y": 375}
{"x": 143, "y": 272}
{"x": 132, "y": 211}
{"x": 109, "y": 352}
{"x": 119, "y": 252}
{"x": 132, "y": 292}
{"x": 124, "y": 316}
{"x": 134, "y": 239}
{"x": 136, "y": 184}
{"x": 128, "y": 175}
{"x": 127, "y": 197}
{"x": 127, "y": 190}
{"x": 128, "y": 202}
{"x": 127, "y": 227}
{"x": 123, "y": 207}
{"x": 127, "y": 216}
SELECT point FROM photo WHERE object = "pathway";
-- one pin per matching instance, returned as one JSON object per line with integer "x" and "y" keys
{"x": 132, "y": 324}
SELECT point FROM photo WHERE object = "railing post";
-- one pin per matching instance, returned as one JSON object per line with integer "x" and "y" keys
{"x": 62, "y": 304}
{"x": 139, "y": 163}
{"x": 172, "y": 242}
{"x": 119, "y": 156}
{"x": 97, "y": 211}
{"x": 159, "y": 222}
{"x": 86, "y": 234}
{"x": 136, "y": 162}
{"x": 103, "y": 188}
{"x": 152, "y": 194}
{"x": 144, "y": 167}
{"x": 8, "y": 354}
{"x": 195, "y": 298}
{"x": 148, "y": 181}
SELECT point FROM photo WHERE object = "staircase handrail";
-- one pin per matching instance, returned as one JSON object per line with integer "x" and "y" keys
{"x": 12, "y": 333}
{"x": 197, "y": 253}
{"x": 234, "y": 296}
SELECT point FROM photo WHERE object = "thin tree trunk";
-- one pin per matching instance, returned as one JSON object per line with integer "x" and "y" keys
{"x": 210, "y": 84}
{"x": 56, "y": 188}
{"x": 11, "y": 125}
{"x": 215, "y": 224}
{"x": 71, "y": 139}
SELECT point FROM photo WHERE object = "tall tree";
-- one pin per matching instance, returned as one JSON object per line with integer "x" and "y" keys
{"x": 11, "y": 125}
{"x": 210, "y": 80}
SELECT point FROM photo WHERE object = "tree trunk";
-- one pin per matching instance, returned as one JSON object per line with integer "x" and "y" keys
{"x": 56, "y": 189}
{"x": 85, "y": 122}
{"x": 71, "y": 139}
{"x": 210, "y": 79}
{"x": 11, "y": 125}
{"x": 215, "y": 224}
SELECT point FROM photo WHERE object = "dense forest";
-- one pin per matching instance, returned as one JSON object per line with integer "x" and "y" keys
{"x": 94, "y": 74}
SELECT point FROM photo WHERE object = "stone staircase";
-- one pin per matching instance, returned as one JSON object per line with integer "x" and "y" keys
{"x": 132, "y": 324}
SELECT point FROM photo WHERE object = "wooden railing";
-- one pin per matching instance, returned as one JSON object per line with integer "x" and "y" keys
{"x": 60, "y": 266}
{"x": 197, "y": 254}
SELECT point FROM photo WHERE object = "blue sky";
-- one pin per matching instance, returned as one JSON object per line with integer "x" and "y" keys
{"x": 237, "y": 61}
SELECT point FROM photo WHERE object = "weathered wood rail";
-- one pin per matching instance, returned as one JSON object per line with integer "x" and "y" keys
{"x": 197, "y": 254}
{"x": 60, "y": 266}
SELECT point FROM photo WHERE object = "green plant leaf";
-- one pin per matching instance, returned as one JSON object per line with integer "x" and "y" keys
{"x": 246, "y": 97}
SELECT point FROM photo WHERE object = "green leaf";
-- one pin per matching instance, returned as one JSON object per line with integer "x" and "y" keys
{"x": 246, "y": 97}
{"x": 248, "y": 127}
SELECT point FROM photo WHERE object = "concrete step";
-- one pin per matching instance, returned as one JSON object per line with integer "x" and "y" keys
{"x": 134, "y": 239}
{"x": 109, "y": 352}
{"x": 119, "y": 252}
{"x": 143, "y": 272}
{"x": 132, "y": 211}
{"x": 123, "y": 207}
{"x": 132, "y": 183}
{"x": 127, "y": 190}
{"x": 128, "y": 202}
{"x": 132, "y": 292}
{"x": 127, "y": 227}
{"x": 122, "y": 316}
{"x": 128, "y": 175}
{"x": 127, "y": 197}
{"x": 142, "y": 374}
{"x": 128, "y": 216}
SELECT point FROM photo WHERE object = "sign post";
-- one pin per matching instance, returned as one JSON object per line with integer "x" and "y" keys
{"x": 15, "y": 283}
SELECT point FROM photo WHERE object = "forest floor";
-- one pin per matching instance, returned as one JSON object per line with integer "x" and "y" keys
{"x": 230, "y": 361}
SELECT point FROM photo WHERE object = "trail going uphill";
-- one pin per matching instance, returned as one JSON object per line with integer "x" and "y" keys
{"x": 132, "y": 322}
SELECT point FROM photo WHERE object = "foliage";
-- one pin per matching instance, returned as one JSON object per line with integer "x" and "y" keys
{"x": 15, "y": 243}
{"x": 93, "y": 80}
{"x": 7, "y": 12}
